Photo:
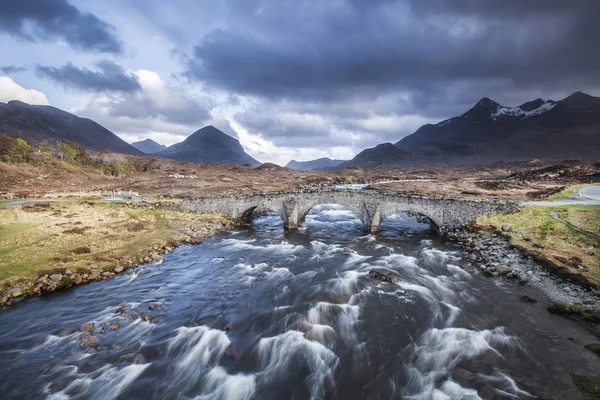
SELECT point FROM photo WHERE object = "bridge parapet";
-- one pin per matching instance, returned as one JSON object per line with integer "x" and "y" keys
{"x": 370, "y": 206}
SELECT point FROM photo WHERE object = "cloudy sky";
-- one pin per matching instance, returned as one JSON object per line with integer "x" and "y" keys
{"x": 292, "y": 78}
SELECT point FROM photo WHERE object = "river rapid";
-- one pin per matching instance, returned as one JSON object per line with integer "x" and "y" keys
{"x": 264, "y": 314}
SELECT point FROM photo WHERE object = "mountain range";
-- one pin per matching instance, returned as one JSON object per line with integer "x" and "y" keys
{"x": 36, "y": 123}
{"x": 490, "y": 132}
{"x": 148, "y": 146}
{"x": 319, "y": 163}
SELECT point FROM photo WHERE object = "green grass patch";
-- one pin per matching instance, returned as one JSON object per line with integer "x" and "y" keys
{"x": 535, "y": 230}
{"x": 569, "y": 192}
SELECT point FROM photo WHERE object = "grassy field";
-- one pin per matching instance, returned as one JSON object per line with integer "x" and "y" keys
{"x": 535, "y": 230}
{"x": 44, "y": 236}
{"x": 569, "y": 192}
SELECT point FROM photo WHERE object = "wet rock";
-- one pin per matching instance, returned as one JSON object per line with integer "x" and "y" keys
{"x": 56, "y": 277}
{"x": 87, "y": 327}
{"x": 587, "y": 313}
{"x": 89, "y": 341}
{"x": 118, "y": 269}
{"x": 153, "y": 306}
{"x": 528, "y": 299}
{"x": 382, "y": 274}
{"x": 77, "y": 279}
{"x": 107, "y": 274}
{"x": 348, "y": 250}
{"x": 99, "y": 331}
{"x": 156, "y": 257}
{"x": 139, "y": 359}
{"x": 590, "y": 385}
{"x": 52, "y": 287}
{"x": 115, "y": 327}
{"x": 14, "y": 292}
{"x": 594, "y": 348}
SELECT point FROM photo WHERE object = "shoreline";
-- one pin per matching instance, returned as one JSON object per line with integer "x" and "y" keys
{"x": 491, "y": 253}
{"x": 46, "y": 281}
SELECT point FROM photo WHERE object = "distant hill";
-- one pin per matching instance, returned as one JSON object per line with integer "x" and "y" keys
{"x": 209, "y": 145}
{"x": 38, "y": 123}
{"x": 490, "y": 132}
{"x": 319, "y": 163}
{"x": 149, "y": 146}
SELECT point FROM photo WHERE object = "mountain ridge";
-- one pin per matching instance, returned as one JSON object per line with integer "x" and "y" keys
{"x": 490, "y": 132}
{"x": 36, "y": 123}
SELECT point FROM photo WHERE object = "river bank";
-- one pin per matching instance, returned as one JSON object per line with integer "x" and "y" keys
{"x": 46, "y": 247}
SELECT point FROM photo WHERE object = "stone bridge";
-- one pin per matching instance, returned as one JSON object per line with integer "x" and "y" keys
{"x": 370, "y": 206}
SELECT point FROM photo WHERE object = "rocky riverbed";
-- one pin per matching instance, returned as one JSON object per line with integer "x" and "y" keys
{"x": 493, "y": 255}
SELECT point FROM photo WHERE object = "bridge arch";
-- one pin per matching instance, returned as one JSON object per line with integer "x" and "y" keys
{"x": 371, "y": 207}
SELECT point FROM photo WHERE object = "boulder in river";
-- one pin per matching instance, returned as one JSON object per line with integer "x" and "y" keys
{"x": 87, "y": 327}
{"x": 89, "y": 341}
{"x": 348, "y": 250}
{"x": 382, "y": 274}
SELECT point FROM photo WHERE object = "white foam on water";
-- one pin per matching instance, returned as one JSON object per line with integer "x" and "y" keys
{"x": 401, "y": 262}
{"x": 458, "y": 272}
{"x": 439, "y": 351}
{"x": 105, "y": 383}
{"x": 322, "y": 251}
{"x": 346, "y": 283}
{"x": 219, "y": 385}
{"x": 281, "y": 248}
{"x": 344, "y": 316}
{"x": 199, "y": 350}
{"x": 324, "y": 334}
{"x": 278, "y": 354}
{"x": 509, "y": 386}
{"x": 438, "y": 257}
{"x": 454, "y": 313}
{"x": 198, "y": 347}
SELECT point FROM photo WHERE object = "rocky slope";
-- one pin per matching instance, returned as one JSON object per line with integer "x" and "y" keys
{"x": 209, "y": 146}
{"x": 489, "y": 132}
{"x": 149, "y": 146}
{"x": 38, "y": 123}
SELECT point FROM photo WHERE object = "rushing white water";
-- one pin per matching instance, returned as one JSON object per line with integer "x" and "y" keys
{"x": 264, "y": 314}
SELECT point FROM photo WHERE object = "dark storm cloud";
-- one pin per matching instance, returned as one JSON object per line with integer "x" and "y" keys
{"x": 314, "y": 50}
{"x": 44, "y": 20}
{"x": 110, "y": 77}
{"x": 11, "y": 69}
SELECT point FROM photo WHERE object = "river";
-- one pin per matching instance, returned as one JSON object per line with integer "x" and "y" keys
{"x": 264, "y": 314}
